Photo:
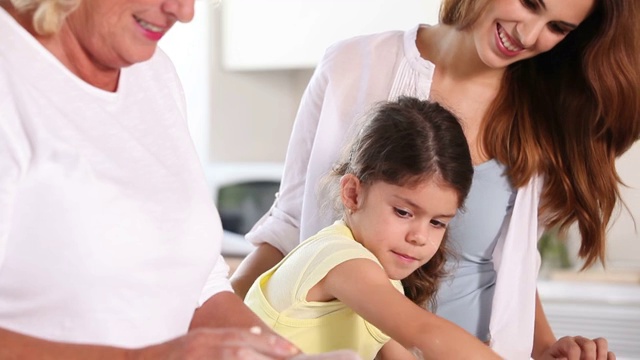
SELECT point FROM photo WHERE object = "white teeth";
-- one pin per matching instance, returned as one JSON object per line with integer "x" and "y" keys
{"x": 505, "y": 41}
{"x": 148, "y": 26}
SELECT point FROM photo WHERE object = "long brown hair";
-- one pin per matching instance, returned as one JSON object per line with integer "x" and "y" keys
{"x": 403, "y": 143}
{"x": 567, "y": 114}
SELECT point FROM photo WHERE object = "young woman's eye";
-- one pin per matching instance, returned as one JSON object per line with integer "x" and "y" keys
{"x": 530, "y": 4}
{"x": 438, "y": 224}
{"x": 402, "y": 213}
{"x": 558, "y": 29}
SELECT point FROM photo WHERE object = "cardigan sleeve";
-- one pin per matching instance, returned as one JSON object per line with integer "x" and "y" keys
{"x": 280, "y": 226}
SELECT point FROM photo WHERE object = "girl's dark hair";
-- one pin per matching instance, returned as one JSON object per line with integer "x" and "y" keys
{"x": 567, "y": 114}
{"x": 406, "y": 142}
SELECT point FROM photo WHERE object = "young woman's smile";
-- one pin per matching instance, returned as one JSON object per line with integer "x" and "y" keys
{"x": 514, "y": 30}
{"x": 507, "y": 44}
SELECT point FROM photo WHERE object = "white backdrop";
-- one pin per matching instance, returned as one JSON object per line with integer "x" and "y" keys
{"x": 188, "y": 46}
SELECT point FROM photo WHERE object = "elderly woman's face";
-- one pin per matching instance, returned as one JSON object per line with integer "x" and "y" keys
{"x": 118, "y": 33}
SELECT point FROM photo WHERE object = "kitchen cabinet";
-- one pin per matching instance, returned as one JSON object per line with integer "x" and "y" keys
{"x": 293, "y": 34}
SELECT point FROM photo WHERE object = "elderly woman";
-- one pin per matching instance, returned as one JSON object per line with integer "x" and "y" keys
{"x": 109, "y": 242}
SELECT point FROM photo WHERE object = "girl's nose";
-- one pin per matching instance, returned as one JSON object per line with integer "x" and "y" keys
{"x": 418, "y": 237}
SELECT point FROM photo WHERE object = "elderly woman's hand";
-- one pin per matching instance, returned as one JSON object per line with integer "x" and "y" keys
{"x": 222, "y": 344}
{"x": 232, "y": 344}
{"x": 334, "y": 355}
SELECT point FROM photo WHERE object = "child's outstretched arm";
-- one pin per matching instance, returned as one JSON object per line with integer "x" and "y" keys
{"x": 393, "y": 350}
{"x": 364, "y": 286}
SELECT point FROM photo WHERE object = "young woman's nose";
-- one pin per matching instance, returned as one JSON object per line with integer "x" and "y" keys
{"x": 528, "y": 32}
{"x": 182, "y": 10}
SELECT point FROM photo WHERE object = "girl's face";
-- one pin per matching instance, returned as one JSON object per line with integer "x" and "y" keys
{"x": 402, "y": 226}
{"x": 118, "y": 33}
{"x": 514, "y": 30}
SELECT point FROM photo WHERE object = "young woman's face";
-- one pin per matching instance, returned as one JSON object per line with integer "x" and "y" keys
{"x": 403, "y": 226}
{"x": 514, "y": 30}
{"x": 118, "y": 33}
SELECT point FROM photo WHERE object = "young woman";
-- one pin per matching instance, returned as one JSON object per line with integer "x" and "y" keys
{"x": 548, "y": 95}
{"x": 399, "y": 184}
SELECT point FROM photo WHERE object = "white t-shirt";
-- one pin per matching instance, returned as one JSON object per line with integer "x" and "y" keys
{"x": 108, "y": 234}
{"x": 353, "y": 76}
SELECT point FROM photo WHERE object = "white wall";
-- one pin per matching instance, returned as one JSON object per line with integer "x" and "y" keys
{"x": 253, "y": 112}
{"x": 233, "y": 116}
{"x": 293, "y": 34}
{"x": 188, "y": 47}
{"x": 623, "y": 238}
{"x": 233, "y": 113}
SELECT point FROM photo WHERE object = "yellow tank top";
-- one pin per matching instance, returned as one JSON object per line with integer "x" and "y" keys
{"x": 279, "y": 297}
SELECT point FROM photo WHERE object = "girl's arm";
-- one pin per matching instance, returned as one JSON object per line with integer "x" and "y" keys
{"x": 263, "y": 258}
{"x": 392, "y": 350}
{"x": 364, "y": 286}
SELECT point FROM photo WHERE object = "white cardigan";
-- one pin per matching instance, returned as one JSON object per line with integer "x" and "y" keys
{"x": 353, "y": 76}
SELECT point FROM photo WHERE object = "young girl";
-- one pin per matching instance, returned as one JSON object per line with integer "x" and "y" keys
{"x": 401, "y": 181}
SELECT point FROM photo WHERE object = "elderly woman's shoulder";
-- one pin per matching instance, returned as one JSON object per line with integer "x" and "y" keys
{"x": 158, "y": 68}
{"x": 5, "y": 80}
{"x": 159, "y": 58}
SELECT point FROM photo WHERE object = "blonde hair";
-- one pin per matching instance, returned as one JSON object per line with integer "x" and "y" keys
{"x": 48, "y": 15}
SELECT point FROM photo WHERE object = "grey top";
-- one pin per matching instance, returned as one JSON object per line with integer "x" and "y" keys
{"x": 465, "y": 297}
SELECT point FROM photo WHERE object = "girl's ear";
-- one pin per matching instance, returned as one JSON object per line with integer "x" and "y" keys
{"x": 349, "y": 191}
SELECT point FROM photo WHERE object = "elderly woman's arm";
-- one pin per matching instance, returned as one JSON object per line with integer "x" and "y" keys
{"x": 214, "y": 334}
{"x": 205, "y": 343}
{"x": 19, "y": 346}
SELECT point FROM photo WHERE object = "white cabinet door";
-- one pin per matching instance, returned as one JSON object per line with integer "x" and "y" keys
{"x": 293, "y": 34}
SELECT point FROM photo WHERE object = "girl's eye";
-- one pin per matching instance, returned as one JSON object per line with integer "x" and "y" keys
{"x": 438, "y": 224}
{"x": 402, "y": 213}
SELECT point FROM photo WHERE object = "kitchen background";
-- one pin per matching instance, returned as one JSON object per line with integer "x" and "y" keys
{"x": 244, "y": 66}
